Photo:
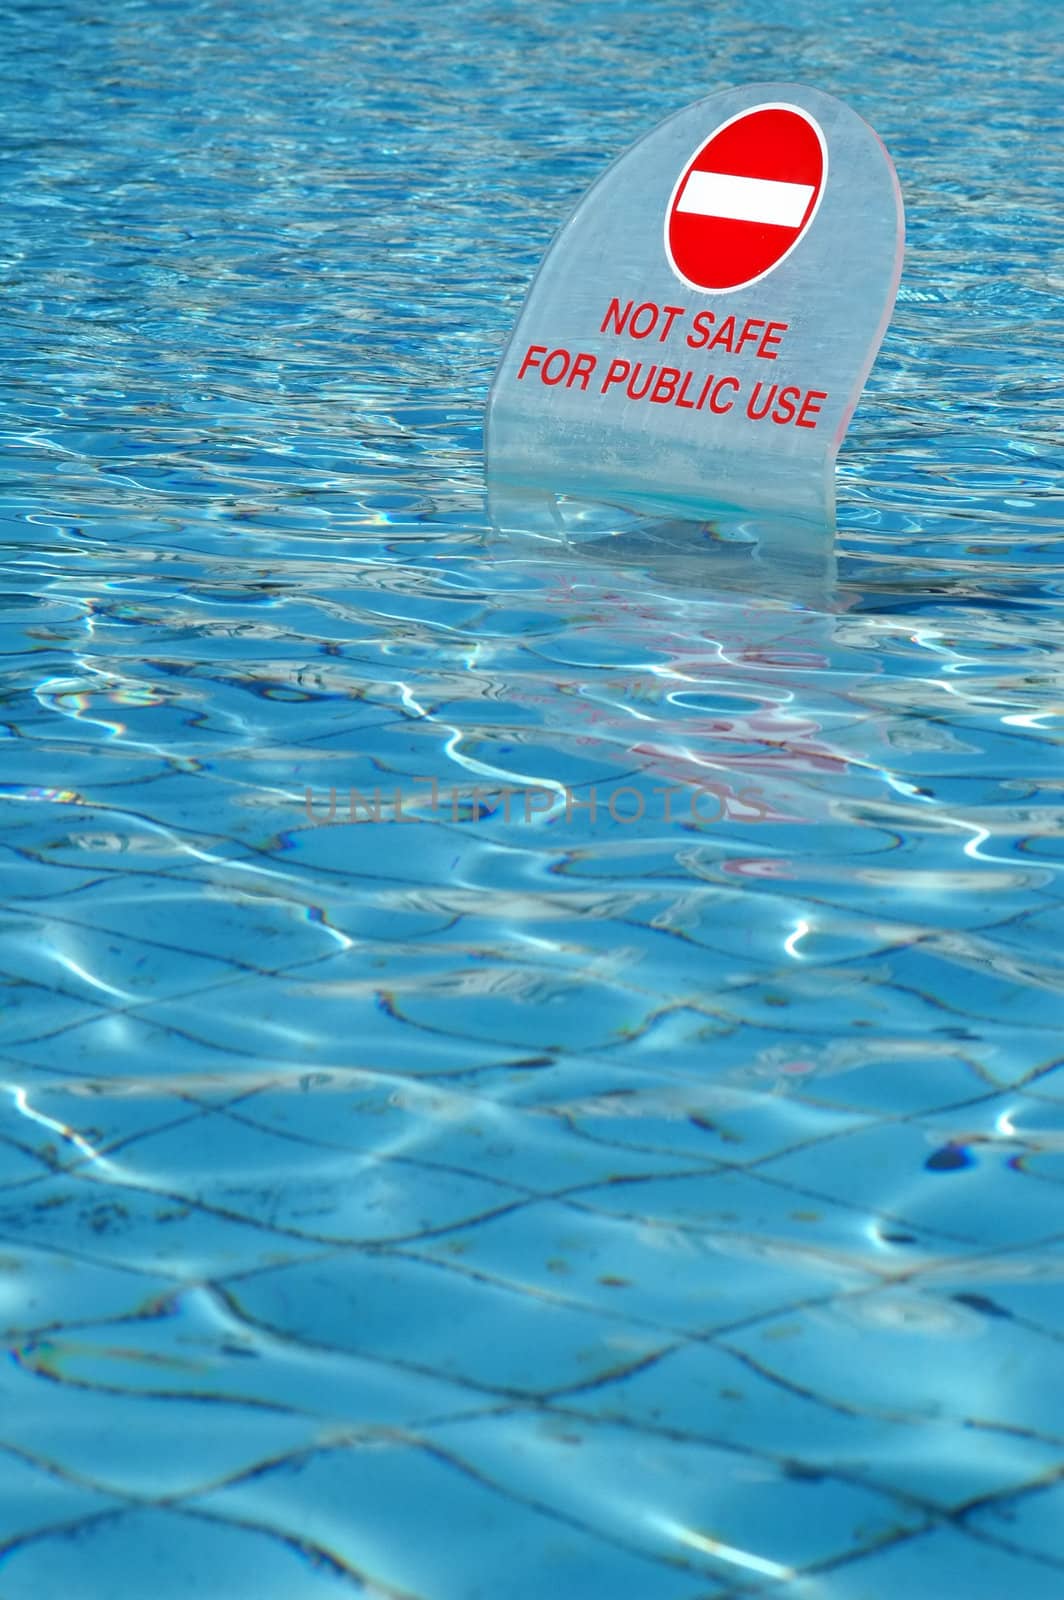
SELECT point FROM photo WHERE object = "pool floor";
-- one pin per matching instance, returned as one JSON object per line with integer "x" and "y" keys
{"x": 526, "y": 1071}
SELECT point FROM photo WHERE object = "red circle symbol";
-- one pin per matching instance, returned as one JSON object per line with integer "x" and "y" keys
{"x": 745, "y": 198}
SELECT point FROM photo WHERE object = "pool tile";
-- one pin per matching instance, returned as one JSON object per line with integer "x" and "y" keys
{"x": 891, "y": 1077}
{"x": 758, "y": 1204}
{"x": 909, "y": 1355}
{"x": 943, "y": 1562}
{"x": 171, "y": 1556}
{"x": 41, "y": 1289}
{"x": 456, "y": 1130}
{"x": 38, "y": 1015}
{"x": 672, "y": 1279}
{"x": 74, "y": 1123}
{"x": 240, "y": 928}
{"x": 703, "y": 1391}
{"x": 144, "y": 1446}
{"x": 119, "y": 1225}
{"x": 1025, "y": 1283}
{"x": 915, "y": 1172}
{"x": 481, "y": 1333}
{"x": 442, "y": 993}
{"x": 34, "y": 1497}
{"x": 132, "y": 1043}
{"x": 475, "y": 1536}
{"x": 300, "y": 1186}
{"x": 189, "y": 1342}
{"x": 671, "y": 1498}
{"x": 1033, "y": 1521}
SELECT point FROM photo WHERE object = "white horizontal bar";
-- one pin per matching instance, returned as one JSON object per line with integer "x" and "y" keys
{"x": 720, "y": 194}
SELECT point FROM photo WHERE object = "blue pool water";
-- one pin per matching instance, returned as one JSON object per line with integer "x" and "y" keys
{"x": 486, "y": 1203}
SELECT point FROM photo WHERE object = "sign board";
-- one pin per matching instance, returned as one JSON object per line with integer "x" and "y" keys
{"x": 698, "y": 334}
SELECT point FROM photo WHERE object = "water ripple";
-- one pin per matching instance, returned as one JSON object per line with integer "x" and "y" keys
{"x": 643, "y": 1174}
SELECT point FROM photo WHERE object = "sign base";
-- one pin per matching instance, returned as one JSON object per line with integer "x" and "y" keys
{"x": 721, "y": 549}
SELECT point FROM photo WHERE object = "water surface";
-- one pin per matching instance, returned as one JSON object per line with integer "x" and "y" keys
{"x": 513, "y": 1198}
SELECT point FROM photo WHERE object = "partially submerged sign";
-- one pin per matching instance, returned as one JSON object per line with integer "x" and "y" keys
{"x": 699, "y": 333}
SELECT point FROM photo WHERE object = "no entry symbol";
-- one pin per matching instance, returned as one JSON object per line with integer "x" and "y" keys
{"x": 745, "y": 198}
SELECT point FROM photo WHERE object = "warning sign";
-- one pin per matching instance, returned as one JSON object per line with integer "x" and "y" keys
{"x": 746, "y": 197}
{"x": 697, "y": 336}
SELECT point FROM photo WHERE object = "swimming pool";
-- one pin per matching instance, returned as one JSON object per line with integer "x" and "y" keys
{"x": 533, "y": 1201}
